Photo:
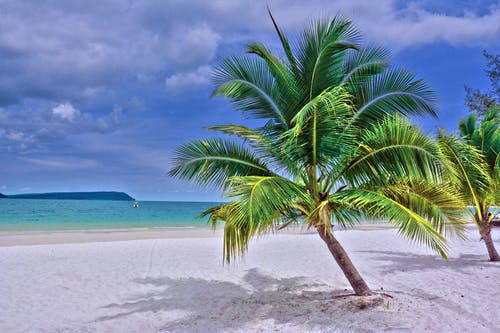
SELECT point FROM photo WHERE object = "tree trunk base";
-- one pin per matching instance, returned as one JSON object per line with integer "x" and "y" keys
{"x": 367, "y": 302}
{"x": 488, "y": 241}
{"x": 351, "y": 273}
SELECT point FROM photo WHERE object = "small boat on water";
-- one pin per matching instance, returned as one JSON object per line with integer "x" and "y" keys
{"x": 136, "y": 204}
{"x": 496, "y": 220}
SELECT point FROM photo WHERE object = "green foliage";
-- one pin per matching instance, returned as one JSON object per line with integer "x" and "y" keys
{"x": 213, "y": 161}
{"x": 336, "y": 147}
{"x": 475, "y": 156}
{"x": 480, "y": 102}
{"x": 485, "y": 137}
{"x": 393, "y": 139}
{"x": 422, "y": 212}
{"x": 393, "y": 91}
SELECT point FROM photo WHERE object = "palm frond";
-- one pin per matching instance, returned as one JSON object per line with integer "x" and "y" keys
{"x": 321, "y": 52}
{"x": 402, "y": 208}
{"x": 249, "y": 86}
{"x": 259, "y": 204}
{"x": 314, "y": 137}
{"x": 396, "y": 91}
{"x": 467, "y": 126}
{"x": 216, "y": 214}
{"x": 255, "y": 137}
{"x": 393, "y": 149}
{"x": 470, "y": 172}
{"x": 440, "y": 204}
{"x": 361, "y": 65}
{"x": 213, "y": 161}
{"x": 489, "y": 133}
{"x": 283, "y": 81}
{"x": 286, "y": 47}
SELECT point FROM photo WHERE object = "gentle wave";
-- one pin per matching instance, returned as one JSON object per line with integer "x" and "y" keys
{"x": 74, "y": 215}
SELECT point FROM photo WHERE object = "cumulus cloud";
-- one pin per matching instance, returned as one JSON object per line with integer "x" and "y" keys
{"x": 79, "y": 51}
{"x": 66, "y": 111}
{"x": 26, "y": 127}
{"x": 17, "y": 136}
{"x": 198, "y": 77}
{"x": 401, "y": 24}
{"x": 73, "y": 52}
{"x": 192, "y": 46}
{"x": 63, "y": 63}
{"x": 413, "y": 24}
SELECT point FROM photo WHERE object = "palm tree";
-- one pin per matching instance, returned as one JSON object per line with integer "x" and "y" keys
{"x": 333, "y": 146}
{"x": 476, "y": 155}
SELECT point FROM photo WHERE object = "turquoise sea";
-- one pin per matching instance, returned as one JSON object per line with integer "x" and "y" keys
{"x": 44, "y": 214}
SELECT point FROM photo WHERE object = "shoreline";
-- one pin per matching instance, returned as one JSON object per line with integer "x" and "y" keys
{"x": 42, "y": 237}
{"x": 46, "y": 237}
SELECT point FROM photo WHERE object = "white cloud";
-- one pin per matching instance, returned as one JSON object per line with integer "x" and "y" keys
{"x": 66, "y": 111}
{"x": 199, "y": 77}
{"x": 192, "y": 46}
{"x": 77, "y": 52}
{"x": 415, "y": 26}
{"x": 65, "y": 163}
{"x": 31, "y": 127}
{"x": 17, "y": 136}
{"x": 400, "y": 25}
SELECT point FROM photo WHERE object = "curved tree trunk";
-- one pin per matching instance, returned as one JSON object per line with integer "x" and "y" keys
{"x": 485, "y": 231}
{"x": 351, "y": 273}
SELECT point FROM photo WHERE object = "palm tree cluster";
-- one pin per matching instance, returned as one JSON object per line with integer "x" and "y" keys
{"x": 334, "y": 146}
{"x": 475, "y": 155}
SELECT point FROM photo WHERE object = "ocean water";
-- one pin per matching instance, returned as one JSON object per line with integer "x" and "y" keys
{"x": 44, "y": 214}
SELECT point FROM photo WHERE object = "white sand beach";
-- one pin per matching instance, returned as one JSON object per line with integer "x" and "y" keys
{"x": 286, "y": 283}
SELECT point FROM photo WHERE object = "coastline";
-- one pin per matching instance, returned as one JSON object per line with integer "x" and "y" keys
{"x": 21, "y": 238}
{"x": 45, "y": 237}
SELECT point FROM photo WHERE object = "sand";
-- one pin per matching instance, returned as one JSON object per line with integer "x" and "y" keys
{"x": 286, "y": 283}
{"x": 15, "y": 238}
{"x": 101, "y": 235}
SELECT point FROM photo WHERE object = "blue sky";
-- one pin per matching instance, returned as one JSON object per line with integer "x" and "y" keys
{"x": 96, "y": 95}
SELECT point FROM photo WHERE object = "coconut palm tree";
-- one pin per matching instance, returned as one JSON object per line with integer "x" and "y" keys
{"x": 333, "y": 146}
{"x": 476, "y": 155}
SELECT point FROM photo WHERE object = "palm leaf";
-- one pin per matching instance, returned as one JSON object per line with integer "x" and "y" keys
{"x": 213, "y": 161}
{"x": 396, "y": 91}
{"x": 283, "y": 81}
{"x": 393, "y": 149}
{"x": 216, "y": 214}
{"x": 286, "y": 47}
{"x": 402, "y": 210}
{"x": 321, "y": 53}
{"x": 360, "y": 65}
{"x": 249, "y": 86}
{"x": 256, "y": 138}
{"x": 259, "y": 204}
{"x": 469, "y": 169}
{"x": 315, "y": 138}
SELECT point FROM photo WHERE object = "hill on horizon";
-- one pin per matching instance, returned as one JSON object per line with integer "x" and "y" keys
{"x": 100, "y": 195}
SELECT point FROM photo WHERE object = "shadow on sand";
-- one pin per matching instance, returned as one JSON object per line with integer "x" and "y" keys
{"x": 407, "y": 262}
{"x": 211, "y": 306}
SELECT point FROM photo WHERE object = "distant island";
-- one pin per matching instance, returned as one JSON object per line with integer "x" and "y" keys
{"x": 73, "y": 196}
